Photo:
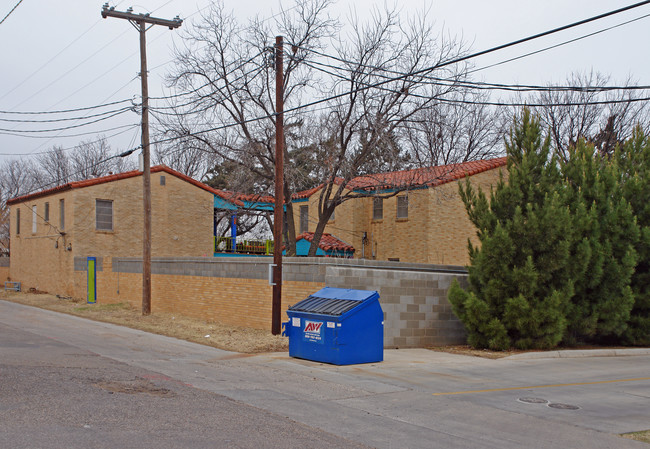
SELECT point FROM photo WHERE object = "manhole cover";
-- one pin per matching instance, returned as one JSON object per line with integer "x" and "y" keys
{"x": 533, "y": 400}
{"x": 564, "y": 406}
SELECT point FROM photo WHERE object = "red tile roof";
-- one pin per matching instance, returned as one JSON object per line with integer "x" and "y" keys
{"x": 327, "y": 242}
{"x": 116, "y": 177}
{"x": 306, "y": 193}
{"x": 251, "y": 197}
{"x": 419, "y": 177}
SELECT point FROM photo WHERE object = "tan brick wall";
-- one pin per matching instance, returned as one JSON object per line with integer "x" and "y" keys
{"x": 449, "y": 226}
{"x": 435, "y": 232}
{"x": 40, "y": 259}
{"x": 181, "y": 226}
{"x": 4, "y": 274}
{"x": 347, "y": 225}
{"x": 239, "y": 302}
{"x": 181, "y": 219}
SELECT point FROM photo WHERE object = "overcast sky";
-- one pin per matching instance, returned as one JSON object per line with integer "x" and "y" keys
{"x": 63, "y": 55}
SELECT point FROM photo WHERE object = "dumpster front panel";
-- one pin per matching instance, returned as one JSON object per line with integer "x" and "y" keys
{"x": 338, "y": 326}
{"x": 312, "y": 336}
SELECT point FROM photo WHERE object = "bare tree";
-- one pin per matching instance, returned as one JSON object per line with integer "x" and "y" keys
{"x": 53, "y": 167}
{"x": 583, "y": 112}
{"x": 89, "y": 159}
{"x": 226, "y": 86}
{"x": 460, "y": 128}
{"x": 383, "y": 86}
{"x": 16, "y": 179}
{"x": 387, "y": 80}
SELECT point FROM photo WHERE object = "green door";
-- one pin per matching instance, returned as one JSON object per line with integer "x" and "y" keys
{"x": 92, "y": 280}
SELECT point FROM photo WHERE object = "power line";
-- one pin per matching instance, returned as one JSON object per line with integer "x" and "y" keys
{"x": 48, "y": 61}
{"x": 65, "y": 111}
{"x": 470, "y": 56}
{"x": 442, "y": 99}
{"x": 65, "y": 128}
{"x": 58, "y": 181}
{"x": 9, "y": 13}
{"x": 425, "y": 71}
{"x": 73, "y": 147}
{"x": 159, "y": 109}
{"x": 500, "y": 86}
{"x": 66, "y": 119}
{"x": 483, "y": 85}
{"x": 69, "y": 135}
{"x": 169, "y": 97}
{"x": 560, "y": 44}
{"x": 52, "y": 58}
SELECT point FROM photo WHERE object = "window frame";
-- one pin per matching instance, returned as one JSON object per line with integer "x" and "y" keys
{"x": 375, "y": 209}
{"x": 304, "y": 218}
{"x": 99, "y": 201}
{"x": 62, "y": 214}
{"x": 34, "y": 219}
{"x": 18, "y": 221}
{"x": 404, "y": 208}
{"x": 46, "y": 212}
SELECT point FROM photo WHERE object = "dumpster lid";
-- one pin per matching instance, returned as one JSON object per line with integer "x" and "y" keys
{"x": 333, "y": 301}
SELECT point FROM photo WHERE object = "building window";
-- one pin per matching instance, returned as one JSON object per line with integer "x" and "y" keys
{"x": 34, "y": 221}
{"x": 403, "y": 206}
{"x": 17, "y": 221}
{"x": 333, "y": 216}
{"x": 62, "y": 214}
{"x": 377, "y": 208}
{"x": 304, "y": 219}
{"x": 104, "y": 215}
{"x": 162, "y": 180}
{"x": 47, "y": 212}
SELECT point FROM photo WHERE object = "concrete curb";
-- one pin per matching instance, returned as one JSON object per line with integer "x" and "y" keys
{"x": 575, "y": 353}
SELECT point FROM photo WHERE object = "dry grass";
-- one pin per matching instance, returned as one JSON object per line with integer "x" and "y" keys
{"x": 218, "y": 335}
{"x": 638, "y": 436}
{"x": 468, "y": 350}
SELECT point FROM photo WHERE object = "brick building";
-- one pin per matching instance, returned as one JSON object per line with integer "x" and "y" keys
{"x": 56, "y": 230}
{"x": 424, "y": 222}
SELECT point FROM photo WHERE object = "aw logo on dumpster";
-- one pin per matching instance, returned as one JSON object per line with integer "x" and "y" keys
{"x": 313, "y": 331}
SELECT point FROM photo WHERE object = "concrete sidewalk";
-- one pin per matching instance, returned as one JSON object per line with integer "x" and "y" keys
{"x": 414, "y": 399}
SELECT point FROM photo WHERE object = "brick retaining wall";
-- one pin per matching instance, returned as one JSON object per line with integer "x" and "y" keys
{"x": 236, "y": 291}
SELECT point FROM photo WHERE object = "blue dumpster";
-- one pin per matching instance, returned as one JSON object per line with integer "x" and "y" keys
{"x": 337, "y": 325}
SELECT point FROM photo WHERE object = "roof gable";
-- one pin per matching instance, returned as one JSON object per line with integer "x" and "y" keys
{"x": 120, "y": 176}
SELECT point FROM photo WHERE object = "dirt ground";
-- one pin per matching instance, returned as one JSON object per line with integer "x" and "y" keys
{"x": 218, "y": 335}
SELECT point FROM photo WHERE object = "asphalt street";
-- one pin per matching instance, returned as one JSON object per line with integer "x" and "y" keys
{"x": 66, "y": 382}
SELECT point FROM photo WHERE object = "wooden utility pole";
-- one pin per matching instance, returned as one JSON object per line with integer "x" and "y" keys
{"x": 278, "y": 216}
{"x": 140, "y": 22}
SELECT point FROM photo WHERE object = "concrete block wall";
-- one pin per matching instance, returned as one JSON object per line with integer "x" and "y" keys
{"x": 413, "y": 298}
{"x": 236, "y": 291}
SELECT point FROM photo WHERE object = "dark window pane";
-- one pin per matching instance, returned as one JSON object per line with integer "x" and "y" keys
{"x": 104, "y": 215}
